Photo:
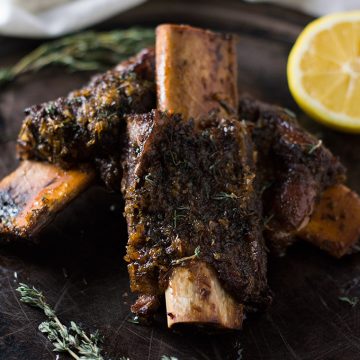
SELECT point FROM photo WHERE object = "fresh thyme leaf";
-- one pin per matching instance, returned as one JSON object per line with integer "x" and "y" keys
{"x": 86, "y": 51}
{"x": 33, "y": 297}
{"x": 149, "y": 179}
{"x": 174, "y": 160}
{"x": 177, "y": 216}
{"x": 51, "y": 109}
{"x": 314, "y": 147}
{"x": 72, "y": 340}
{"x": 197, "y": 251}
{"x": 5, "y": 76}
{"x": 186, "y": 258}
{"x": 289, "y": 112}
{"x": 268, "y": 219}
{"x": 350, "y": 300}
{"x": 165, "y": 357}
{"x": 266, "y": 186}
{"x": 225, "y": 196}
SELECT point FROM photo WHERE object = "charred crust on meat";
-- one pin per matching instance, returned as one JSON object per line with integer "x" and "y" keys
{"x": 293, "y": 167}
{"x": 89, "y": 123}
{"x": 201, "y": 195}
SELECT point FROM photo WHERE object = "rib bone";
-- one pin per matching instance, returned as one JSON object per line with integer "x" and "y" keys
{"x": 195, "y": 69}
{"x": 335, "y": 223}
{"x": 34, "y": 193}
{"x": 195, "y": 296}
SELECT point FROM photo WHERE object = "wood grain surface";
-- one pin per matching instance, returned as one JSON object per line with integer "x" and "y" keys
{"x": 79, "y": 263}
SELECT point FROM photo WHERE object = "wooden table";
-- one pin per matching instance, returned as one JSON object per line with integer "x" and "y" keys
{"x": 79, "y": 264}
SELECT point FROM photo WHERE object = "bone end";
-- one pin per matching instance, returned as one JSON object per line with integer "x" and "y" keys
{"x": 335, "y": 223}
{"x": 34, "y": 193}
{"x": 195, "y": 296}
{"x": 195, "y": 71}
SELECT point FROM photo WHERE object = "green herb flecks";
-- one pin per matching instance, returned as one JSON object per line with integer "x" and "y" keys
{"x": 174, "y": 159}
{"x": 225, "y": 196}
{"x": 166, "y": 357}
{"x": 149, "y": 179}
{"x": 72, "y": 340}
{"x": 350, "y": 300}
{"x": 266, "y": 186}
{"x": 187, "y": 258}
{"x": 86, "y": 51}
{"x": 268, "y": 219}
{"x": 314, "y": 147}
{"x": 178, "y": 215}
{"x": 289, "y": 112}
{"x": 51, "y": 109}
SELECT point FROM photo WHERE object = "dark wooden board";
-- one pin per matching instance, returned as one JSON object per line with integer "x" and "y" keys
{"x": 79, "y": 264}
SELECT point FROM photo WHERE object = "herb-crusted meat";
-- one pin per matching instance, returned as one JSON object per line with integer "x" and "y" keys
{"x": 89, "y": 122}
{"x": 294, "y": 168}
{"x": 189, "y": 193}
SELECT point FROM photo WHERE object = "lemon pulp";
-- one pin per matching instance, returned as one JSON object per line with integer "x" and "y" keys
{"x": 324, "y": 70}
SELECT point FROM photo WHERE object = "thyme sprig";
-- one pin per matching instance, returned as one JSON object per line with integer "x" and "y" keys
{"x": 72, "y": 340}
{"x": 86, "y": 51}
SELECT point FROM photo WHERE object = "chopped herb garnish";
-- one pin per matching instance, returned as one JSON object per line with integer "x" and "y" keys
{"x": 266, "y": 186}
{"x": 268, "y": 219}
{"x": 137, "y": 150}
{"x": 289, "y": 112}
{"x": 217, "y": 256}
{"x": 174, "y": 160}
{"x": 178, "y": 216}
{"x": 350, "y": 300}
{"x": 314, "y": 147}
{"x": 51, "y": 109}
{"x": 148, "y": 179}
{"x": 183, "y": 208}
{"x": 186, "y": 258}
{"x": 225, "y": 196}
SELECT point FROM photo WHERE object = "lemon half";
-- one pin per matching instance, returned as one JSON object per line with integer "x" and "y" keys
{"x": 323, "y": 70}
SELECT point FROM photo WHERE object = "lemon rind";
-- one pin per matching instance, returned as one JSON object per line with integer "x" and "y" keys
{"x": 310, "y": 105}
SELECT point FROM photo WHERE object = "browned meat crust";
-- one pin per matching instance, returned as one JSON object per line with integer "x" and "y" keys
{"x": 294, "y": 168}
{"x": 89, "y": 122}
{"x": 190, "y": 193}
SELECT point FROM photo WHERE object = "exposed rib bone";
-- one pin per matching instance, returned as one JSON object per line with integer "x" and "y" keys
{"x": 56, "y": 131}
{"x": 335, "y": 223}
{"x": 195, "y": 73}
{"x": 195, "y": 296}
{"x": 34, "y": 193}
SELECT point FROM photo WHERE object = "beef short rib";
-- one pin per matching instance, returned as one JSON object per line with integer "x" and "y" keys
{"x": 190, "y": 194}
